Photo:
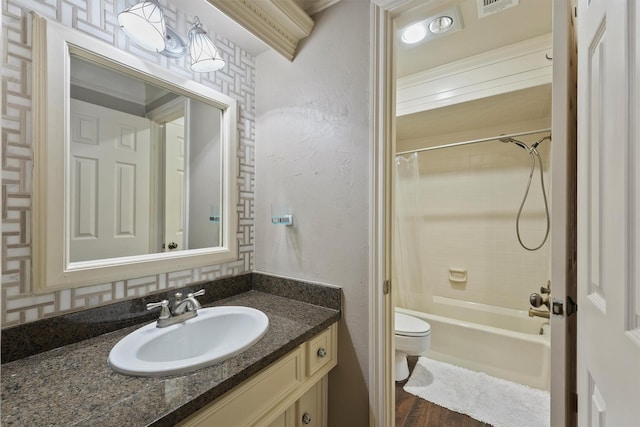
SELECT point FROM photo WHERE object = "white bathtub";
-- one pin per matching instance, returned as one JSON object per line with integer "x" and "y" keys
{"x": 501, "y": 342}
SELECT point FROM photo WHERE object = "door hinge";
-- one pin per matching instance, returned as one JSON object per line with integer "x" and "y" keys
{"x": 386, "y": 287}
{"x": 559, "y": 307}
{"x": 573, "y": 404}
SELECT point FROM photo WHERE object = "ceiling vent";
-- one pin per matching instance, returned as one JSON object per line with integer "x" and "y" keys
{"x": 489, "y": 7}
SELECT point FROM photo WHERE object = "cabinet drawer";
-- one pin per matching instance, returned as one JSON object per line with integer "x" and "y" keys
{"x": 321, "y": 350}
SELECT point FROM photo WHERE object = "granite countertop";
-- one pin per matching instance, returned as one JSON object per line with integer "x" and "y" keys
{"x": 73, "y": 385}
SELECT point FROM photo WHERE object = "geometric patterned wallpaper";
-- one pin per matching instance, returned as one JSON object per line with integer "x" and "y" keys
{"x": 98, "y": 19}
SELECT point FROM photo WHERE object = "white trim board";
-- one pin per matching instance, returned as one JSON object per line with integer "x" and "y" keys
{"x": 514, "y": 67}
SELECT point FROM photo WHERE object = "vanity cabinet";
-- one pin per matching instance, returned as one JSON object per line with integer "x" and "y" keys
{"x": 308, "y": 411}
{"x": 290, "y": 392}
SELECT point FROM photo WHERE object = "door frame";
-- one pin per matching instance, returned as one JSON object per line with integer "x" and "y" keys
{"x": 563, "y": 213}
{"x": 381, "y": 384}
{"x": 159, "y": 117}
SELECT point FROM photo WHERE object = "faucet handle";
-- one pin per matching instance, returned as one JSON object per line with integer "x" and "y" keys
{"x": 178, "y": 297}
{"x": 538, "y": 300}
{"x": 196, "y": 304}
{"x": 546, "y": 289}
{"x": 535, "y": 300}
{"x": 152, "y": 305}
{"x": 164, "y": 308}
{"x": 196, "y": 294}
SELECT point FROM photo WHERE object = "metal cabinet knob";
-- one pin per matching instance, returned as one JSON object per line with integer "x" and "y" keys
{"x": 306, "y": 418}
{"x": 322, "y": 352}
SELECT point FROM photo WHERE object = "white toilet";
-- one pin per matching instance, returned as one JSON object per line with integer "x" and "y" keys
{"x": 412, "y": 337}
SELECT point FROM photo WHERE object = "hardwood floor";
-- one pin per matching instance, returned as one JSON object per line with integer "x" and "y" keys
{"x": 411, "y": 411}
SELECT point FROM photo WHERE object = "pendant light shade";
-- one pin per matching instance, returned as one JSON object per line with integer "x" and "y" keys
{"x": 204, "y": 55}
{"x": 144, "y": 24}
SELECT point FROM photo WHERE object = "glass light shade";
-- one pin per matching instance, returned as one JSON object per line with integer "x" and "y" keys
{"x": 441, "y": 24}
{"x": 204, "y": 55}
{"x": 414, "y": 33}
{"x": 144, "y": 24}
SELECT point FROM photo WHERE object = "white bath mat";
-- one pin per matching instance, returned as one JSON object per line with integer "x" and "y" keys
{"x": 488, "y": 399}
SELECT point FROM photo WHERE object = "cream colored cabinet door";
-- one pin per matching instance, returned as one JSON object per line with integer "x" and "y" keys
{"x": 286, "y": 419}
{"x": 311, "y": 406}
{"x": 285, "y": 390}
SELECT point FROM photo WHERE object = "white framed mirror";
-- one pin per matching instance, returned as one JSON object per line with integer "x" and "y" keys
{"x": 134, "y": 170}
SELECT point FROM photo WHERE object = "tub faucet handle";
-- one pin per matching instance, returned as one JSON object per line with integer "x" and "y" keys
{"x": 546, "y": 289}
{"x": 537, "y": 300}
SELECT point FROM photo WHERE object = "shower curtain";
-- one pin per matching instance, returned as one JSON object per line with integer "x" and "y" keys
{"x": 407, "y": 266}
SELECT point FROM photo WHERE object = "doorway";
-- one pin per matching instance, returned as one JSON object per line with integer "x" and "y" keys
{"x": 389, "y": 22}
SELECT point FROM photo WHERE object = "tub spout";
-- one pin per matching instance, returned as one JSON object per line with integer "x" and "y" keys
{"x": 538, "y": 313}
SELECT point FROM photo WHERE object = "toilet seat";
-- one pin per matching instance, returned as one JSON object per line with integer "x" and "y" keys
{"x": 409, "y": 326}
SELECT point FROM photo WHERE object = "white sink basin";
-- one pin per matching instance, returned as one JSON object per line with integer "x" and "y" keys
{"x": 215, "y": 334}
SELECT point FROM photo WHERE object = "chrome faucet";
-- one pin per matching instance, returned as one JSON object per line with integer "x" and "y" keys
{"x": 188, "y": 304}
{"x": 183, "y": 309}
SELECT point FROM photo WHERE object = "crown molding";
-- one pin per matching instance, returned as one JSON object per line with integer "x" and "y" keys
{"x": 314, "y": 6}
{"x": 280, "y": 24}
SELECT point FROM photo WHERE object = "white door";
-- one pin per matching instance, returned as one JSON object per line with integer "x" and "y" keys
{"x": 174, "y": 186}
{"x": 608, "y": 372}
{"x": 110, "y": 188}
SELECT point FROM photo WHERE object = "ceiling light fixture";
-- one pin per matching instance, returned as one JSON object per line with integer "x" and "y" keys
{"x": 430, "y": 28}
{"x": 144, "y": 24}
{"x": 441, "y": 24}
{"x": 414, "y": 33}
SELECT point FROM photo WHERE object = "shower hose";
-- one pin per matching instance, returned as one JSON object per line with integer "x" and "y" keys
{"x": 533, "y": 152}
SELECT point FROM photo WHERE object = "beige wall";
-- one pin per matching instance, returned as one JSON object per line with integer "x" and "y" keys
{"x": 469, "y": 200}
{"x": 312, "y": 155}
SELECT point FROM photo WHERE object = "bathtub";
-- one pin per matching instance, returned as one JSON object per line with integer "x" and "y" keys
{"x": 501, "y": 342}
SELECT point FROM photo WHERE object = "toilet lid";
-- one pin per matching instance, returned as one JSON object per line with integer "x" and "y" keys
{"x": 410, "y": 326}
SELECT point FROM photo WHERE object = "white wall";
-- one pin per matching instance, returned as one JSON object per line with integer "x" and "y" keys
{"x": 312, "y": 142}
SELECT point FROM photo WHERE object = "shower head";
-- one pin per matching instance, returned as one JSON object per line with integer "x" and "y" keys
{"x": 514, "y": 141}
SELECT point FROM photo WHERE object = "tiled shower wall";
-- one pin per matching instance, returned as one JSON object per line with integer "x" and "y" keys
{"x": 468, "y": 200}
{"x": 98, "y": 19}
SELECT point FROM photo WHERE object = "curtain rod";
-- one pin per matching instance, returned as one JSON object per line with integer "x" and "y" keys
{"x": 473, "y": 141}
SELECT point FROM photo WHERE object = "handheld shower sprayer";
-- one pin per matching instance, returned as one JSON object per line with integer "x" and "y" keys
{"x": 533, "y": 152}
{"x": 516, "y": 142}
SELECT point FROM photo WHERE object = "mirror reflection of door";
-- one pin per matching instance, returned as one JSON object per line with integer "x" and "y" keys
{"x": 146, "y": 167}
{"x": 110, "y": 161}
{"x": 174, "y": 185}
